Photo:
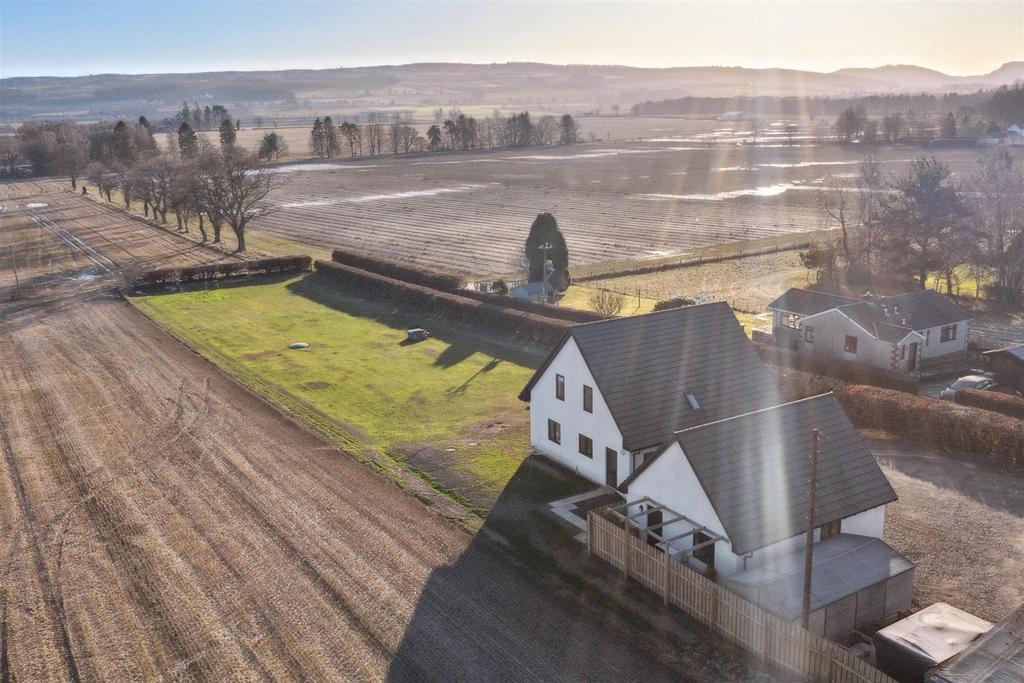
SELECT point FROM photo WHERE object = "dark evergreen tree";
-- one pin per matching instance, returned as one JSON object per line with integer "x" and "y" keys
{"x": 188, "y": 143}
{"x": 544, "y": 231}
{"x": 124, "y": 143}
{"x": 227, "y": 133}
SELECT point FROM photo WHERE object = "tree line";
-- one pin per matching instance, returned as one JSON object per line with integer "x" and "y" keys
{"x": 188, "y": 177}
{"x": 926, "y": 223}
{"x": 397, "y": 135}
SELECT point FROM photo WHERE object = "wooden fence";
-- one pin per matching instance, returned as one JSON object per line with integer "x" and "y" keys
{"x": 784, "y": 644}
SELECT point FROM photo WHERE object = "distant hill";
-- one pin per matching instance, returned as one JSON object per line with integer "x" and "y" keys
{"x": 418, "y": 87}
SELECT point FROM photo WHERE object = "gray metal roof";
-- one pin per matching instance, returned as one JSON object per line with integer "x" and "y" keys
{"x": 1014, "y": 351}
{"x": 645, "y": 365}
{"x": 996, "y": 657}
{"x": 754, "y": 469}
{"x": 843, "y": 565}
{"x": 808, "y": 302}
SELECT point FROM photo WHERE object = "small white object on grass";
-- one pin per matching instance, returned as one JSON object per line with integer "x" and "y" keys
{"x": 298, "y": 345}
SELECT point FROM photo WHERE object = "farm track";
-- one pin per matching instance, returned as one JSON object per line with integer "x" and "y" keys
{"x": 161, "y": 522}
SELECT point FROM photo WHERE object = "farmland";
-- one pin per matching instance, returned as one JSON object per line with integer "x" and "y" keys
{"x": 470, "y": 212}
{"x": 160, "y": 521}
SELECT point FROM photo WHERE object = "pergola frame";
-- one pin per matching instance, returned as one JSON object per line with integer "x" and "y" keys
{"x": 665, "y": 544}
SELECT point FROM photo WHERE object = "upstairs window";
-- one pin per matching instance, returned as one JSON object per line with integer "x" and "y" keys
{"x": 793, "y": 321}
{"x": 559, "y": 387}
{"x": 554, "y": 432}
{"x": 588, "y": 399}
{"x": 850, "y": 346}
{"x": 586, "y": 446}
{"x": 948, "y": 333}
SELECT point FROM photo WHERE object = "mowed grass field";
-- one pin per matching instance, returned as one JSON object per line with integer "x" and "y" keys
{"x": 445, "y": 407}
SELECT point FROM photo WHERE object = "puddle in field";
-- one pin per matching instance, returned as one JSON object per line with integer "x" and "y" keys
{"x": 36, "y": 205}
{"x": 315, "y": 167}
{"x": 764, "y": 191}
{"x": 410, "y": 194}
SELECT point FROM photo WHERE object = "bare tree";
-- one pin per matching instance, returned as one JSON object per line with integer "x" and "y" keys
{"x": 242, "y": 185}
{"x": 606, "y": 302}
{"x": 997, "y": 198}
{"x": 100, "y": 176}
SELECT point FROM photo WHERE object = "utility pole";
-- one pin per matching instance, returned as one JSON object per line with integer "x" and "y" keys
{"x": 809, "y": 539}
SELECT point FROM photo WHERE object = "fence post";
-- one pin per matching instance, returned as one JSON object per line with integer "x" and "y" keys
{"x": 590, "y": 533}
{"x": 667, "y": 588}
{"x": 625, "y": 557}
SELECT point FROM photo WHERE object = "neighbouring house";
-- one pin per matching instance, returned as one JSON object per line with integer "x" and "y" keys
{"x": 676, "y": 410}
{"x": 1012, "y": 137}
{"x": 902, "y": 333}
{"x": 612, "y": 392}
{"x": 1008, "y": 365}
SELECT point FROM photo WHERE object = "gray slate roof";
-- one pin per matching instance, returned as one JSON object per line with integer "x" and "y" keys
{"x": 918, "y": 310}
{"x": 808, "y": 302}
{"x": 646, "y": 364}
{"x": 754, "y": 469}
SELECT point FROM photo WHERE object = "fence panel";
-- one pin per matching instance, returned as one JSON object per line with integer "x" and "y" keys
{"x": 785, "y": 644}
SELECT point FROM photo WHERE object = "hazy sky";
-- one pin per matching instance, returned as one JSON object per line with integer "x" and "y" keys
{"x": 72, "y": 37}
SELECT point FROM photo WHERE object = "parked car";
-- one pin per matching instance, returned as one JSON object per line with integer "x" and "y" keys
{"x": 978, "y": 380}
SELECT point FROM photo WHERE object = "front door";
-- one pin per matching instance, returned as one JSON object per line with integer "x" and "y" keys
{"x": 912, "y": 357}
{"x": 611, "y": 467}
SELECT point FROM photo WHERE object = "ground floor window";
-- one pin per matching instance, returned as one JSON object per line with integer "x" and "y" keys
{"x": 586, "y": 446}
{"x": 948, "y": 333}
{"x": 809, "y": 334}
{"x": 850, "y": 345}
{"x": 554, "y": 431}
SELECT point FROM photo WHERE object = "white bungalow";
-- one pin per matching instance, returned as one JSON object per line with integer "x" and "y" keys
{"x": 897, "y": 333}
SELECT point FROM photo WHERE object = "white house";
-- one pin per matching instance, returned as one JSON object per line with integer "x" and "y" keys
{"x": 899, "y": 333}
{"x": 1013, "y": 137}
{"x": 676, "y": 410}
{"x": 612, "y": 392}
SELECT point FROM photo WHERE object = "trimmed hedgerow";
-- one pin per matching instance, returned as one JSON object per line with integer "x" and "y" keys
{"x": 854, "y": 373}
{"x": 518, "y": 323}
{"x": 547, "y": 310}
{"x": 674, "y": 302}
{"x": 399, "y": 271}
{"x": 991, "y": 400}
{"x": 225, "y": 269}
{"x": 942, "y": 424}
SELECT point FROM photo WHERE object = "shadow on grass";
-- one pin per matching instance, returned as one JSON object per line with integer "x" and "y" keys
{"x": 524, "y": 602}
{"x": 463, "y": 339}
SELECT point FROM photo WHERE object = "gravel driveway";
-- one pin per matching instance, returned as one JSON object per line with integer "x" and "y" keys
{"x": 961, "y": 522}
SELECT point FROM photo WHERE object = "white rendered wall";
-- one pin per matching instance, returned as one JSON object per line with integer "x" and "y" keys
{"x": 599, "y": 425}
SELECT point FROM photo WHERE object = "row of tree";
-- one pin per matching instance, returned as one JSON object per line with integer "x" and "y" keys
{"x": 207, "y": 118}
{"x": 924, "y": 223}
{"x": 460, "y": 132}
{"x": 854, "y": 124}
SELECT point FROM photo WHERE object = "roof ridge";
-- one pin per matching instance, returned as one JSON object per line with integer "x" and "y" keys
{"x": 754, "y": 412}
{"x": 645, "y": 315}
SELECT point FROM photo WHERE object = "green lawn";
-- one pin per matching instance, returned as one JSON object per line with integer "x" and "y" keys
{"x": 446, "y": 407}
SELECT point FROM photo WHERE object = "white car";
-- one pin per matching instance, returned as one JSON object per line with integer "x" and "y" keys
{"x": 980, "y": 382}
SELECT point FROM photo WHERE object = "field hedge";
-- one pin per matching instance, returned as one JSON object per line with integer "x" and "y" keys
{"x": 854, "y": 373}
{"x": 225, "y": 269}
{"x": 399, "y": 271}
{"x": 574, "y": 315}
{"x": 501, "y": 318}
{"x": 991, "y": 400}
{"x": 942, "y": 424}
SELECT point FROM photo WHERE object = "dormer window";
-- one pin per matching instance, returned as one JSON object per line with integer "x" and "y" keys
{"x": 691, "y": 398}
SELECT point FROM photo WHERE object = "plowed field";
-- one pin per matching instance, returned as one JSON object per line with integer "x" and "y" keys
{"x": 471, "y": 212}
